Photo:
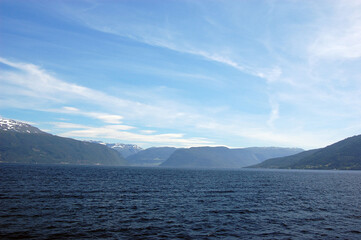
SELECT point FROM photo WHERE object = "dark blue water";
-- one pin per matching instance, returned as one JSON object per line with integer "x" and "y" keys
{"x": 75, "y": 202}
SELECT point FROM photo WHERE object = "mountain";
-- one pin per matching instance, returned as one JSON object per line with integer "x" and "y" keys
{"x": 284, "y": 162}
{"x": 222, "y": 157}
{"x": 345, "y": 154}
{"x": 9, "y": 125}
{"x": 125, "y": 150}
{"x": 151, "y": 156}
{"x": 23, "y": 143}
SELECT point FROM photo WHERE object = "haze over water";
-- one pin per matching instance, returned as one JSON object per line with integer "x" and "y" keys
{"x": 44, "y": 201}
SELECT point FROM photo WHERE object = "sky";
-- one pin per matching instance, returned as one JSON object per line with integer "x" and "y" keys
{"x": 184, "y": 72}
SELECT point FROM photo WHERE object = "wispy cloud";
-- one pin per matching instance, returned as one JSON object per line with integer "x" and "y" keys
{"x": 68, "y": 125}
{"x": 107, "y": 118}
{"x": 147, "y": 131}
{"x": 269, "y": 74}
{"x": 339, "y": 36}
{"x": 274, "y": 115}
{"x": 168, "y": 37}
{"x": 114, "y": 132}
{"x": 31, "y": 81}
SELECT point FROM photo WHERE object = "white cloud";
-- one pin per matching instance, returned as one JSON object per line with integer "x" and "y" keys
{"x": 109, "y": 118}
{"x": 67, "y": 125}
{"x": 274, "y": 115}
{"x": 71, "y": 109}
{"x": 114, "y": 133}
{"x": 120, "y": 133}
{"x": 104, "y": 117}
{"x": 31, "y": 81}
{"x": 120, "y": 127}
{"x": 147, "y": 131}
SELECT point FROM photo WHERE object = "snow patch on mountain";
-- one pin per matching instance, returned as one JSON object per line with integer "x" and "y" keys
{"x": 124, "y": 146}
{"x": 10, "y": 125}
{"x": 125, "y": 149}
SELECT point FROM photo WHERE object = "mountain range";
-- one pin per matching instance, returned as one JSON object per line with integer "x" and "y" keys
{"x": 23, "y": 143}
{"x": 223, "y": 157}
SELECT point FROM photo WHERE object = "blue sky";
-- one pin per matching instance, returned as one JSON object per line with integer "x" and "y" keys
{"x": 184, "y": 73}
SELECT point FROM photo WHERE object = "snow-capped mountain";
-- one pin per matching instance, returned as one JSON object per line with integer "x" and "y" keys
{"x": 16, "y": 126}
{"x": 23, "y": 143}
{"x": 124, "y": 146}
{"x": 125, "y": 149}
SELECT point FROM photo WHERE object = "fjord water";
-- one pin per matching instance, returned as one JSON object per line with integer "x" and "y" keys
{"x": 75, "y": 202}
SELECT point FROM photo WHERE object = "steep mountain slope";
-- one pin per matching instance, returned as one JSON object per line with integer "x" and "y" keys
{"x": 345, "y": 154}
{"x": 222, "y": 157}
{"x": 23, "y": 143}
{"x": 284, "y": 162}
{"x": 263, "y": 153}
{"x": 150, "y": 156}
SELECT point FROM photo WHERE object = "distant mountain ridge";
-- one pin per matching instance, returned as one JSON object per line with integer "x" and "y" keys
{"x": 23, "y": 143}
{"x": 153, "y": 156}
{"x": 125, "y": 150}
{"x": 222, "y": 157}
{"x": 343, "y": 155}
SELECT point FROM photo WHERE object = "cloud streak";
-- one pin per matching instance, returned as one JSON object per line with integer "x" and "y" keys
{"x": 117, "y": 132}
{"x": 107, "y": 118}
